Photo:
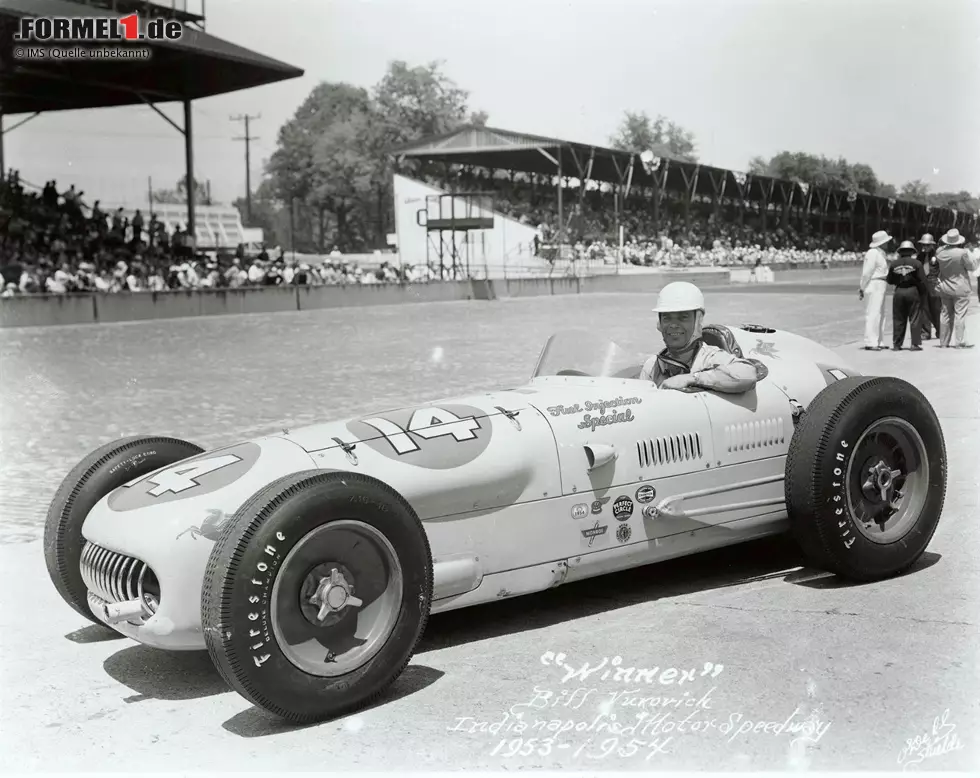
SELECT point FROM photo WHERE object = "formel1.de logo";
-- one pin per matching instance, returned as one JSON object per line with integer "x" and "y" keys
{"x": 96, "y": 29}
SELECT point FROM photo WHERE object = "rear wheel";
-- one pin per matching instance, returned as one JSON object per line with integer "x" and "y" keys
{"x": 866, "y": 477}
{"x": 102, "y": 471}
{"x": 317, "y": 593}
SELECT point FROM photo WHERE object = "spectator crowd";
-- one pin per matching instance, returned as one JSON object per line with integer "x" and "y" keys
{"x": 50, "y": 242}
{"x": 50, "y": 245}
{"x": 706, "y": 238}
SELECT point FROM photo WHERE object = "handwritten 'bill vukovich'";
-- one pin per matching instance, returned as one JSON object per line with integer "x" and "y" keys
{"x": 608, "y": 710}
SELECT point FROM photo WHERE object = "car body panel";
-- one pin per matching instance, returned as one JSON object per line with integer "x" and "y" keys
{"x": 518, "y": 489}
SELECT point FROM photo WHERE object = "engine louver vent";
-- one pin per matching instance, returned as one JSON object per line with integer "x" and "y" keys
{"x": 755, "y": 434}
{"x": 665, "y": 451}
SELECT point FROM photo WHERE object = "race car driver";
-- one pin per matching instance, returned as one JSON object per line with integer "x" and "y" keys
{"x": 688, "y": 363}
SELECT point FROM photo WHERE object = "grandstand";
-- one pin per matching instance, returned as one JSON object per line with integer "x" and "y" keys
{"x": 563, "y": 186}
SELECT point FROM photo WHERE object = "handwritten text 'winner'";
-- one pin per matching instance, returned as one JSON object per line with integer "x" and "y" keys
{"x": 612, "y": 670}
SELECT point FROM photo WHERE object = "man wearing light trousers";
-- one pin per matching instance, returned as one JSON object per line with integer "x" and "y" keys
{"x": 872, "y": 291}
{"x": 955, "y": 267}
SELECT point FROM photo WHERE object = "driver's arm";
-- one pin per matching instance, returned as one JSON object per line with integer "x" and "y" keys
{"x": 730, "y": 374}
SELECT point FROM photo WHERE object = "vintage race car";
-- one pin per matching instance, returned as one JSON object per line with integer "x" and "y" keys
{"x": 308, "y": 562}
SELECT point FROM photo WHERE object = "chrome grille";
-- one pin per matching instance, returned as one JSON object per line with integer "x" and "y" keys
{"x": 114, "y": 577}
{"x": 664, "y": 451}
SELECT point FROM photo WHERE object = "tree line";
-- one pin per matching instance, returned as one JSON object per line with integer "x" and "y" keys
{"x": 328, "y": 183}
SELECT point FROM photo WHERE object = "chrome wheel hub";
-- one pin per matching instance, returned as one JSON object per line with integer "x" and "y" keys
{"x": 336, "y": 598}
{"x": 881, "y": 482}
{"x": 333, "y": 593}
{"x": 887, "y": 480}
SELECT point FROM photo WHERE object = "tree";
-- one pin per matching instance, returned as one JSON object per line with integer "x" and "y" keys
{"x": 837, "y": 174}
{"x": 915, "y": 191}
{"x": 202, "y": 193}
{"x": 637, "y": 132}
{"x": 332, "y": 155}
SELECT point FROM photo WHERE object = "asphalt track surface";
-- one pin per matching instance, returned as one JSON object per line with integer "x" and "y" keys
{"x": 856, "y": 671}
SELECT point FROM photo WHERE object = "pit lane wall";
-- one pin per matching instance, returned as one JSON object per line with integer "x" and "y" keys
{"x": 100, "y": 308}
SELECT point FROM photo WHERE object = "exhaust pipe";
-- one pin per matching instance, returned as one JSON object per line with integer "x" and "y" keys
{"x": 116, "y": 612}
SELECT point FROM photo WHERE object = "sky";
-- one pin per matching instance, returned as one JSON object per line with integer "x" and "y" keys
{"x": 891, "y": 83}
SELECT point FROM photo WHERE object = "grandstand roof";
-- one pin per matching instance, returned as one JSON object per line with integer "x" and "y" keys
{"x": 508, "y": 150}
{"x": 198, "y": 65}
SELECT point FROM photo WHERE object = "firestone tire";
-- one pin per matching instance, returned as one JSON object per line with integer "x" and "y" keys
{"x": 867, "y": 448}
{"x": 262, "y": 633}
{"x": 102, "y": 471}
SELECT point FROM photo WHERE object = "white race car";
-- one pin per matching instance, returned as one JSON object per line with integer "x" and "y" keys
{"x": 308, "y": 562}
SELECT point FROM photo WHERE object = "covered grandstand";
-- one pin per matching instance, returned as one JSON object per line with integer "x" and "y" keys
{"x": 771, "y": 202}
{"x": 194, "y": 66}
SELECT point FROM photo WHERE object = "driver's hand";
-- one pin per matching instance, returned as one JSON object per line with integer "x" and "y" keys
{"x": 683, "y": 382}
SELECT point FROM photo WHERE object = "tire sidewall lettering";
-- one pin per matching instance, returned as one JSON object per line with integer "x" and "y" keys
{"x": 258, "y": 579}
{"x": 837, "y": 467}
{"x": 251, "y": 610}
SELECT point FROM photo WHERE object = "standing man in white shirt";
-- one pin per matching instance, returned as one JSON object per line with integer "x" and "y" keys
{"x": 872, "y": 291}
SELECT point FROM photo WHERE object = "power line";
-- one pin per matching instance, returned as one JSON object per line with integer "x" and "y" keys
{"x": 248, "y": 163}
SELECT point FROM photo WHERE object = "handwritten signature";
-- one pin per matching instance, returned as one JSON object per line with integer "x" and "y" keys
{"x": 942, "y": 740}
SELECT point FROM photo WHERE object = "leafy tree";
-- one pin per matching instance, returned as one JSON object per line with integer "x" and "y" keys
{"x": 822, "y": 171}
{"x": 178, "y": 195}
{"x": 331, "y": 158}
{"x": 637, "y": 132}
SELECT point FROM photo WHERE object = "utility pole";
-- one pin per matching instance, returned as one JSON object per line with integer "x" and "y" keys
{"x": 248, "y": 160}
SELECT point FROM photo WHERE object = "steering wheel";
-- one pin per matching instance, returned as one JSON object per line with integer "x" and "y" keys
{"x": 572, "y": 372}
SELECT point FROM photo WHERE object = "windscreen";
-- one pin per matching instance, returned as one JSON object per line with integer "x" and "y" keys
{"x": 585, "y": 353}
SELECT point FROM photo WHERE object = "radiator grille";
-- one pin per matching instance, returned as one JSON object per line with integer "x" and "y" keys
{"x": 668, "y": 450}
{"x": 755, "y": 434}
{"x": 114, "y": 577}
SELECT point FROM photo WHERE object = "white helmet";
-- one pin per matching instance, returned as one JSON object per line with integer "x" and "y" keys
{"x": 679, "y": 296}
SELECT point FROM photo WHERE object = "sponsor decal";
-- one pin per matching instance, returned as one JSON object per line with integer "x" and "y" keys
{"x": 765, "y": 348}
{"x": 192, "y": 477}
{"x": 623, "y": 508}
{"x": 594, "y": 532}
{"x": 437, "y": 438}
{"x": 212, "y": 526}
{"x": 651, "y": 512}
{"x": 596, "y": 412}
{"x": 564, "y": 410}
{"x": 580, "y": 511}
{"x": 597, "y": 505}
{"x": 624, "y": 533}
{"x": 646, "y": 494}
{"x": 590, "y": 422}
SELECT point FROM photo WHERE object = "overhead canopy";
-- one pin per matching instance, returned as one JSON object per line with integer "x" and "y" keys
{"x": 195, "y": 66}
{"x": 489, "y": 147}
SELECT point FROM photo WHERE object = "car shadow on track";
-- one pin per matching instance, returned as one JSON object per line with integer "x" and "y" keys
{"x": 185, "y": 675}
{"x": 93, "y": 633}
{"x": 155, "y": 674}
{"x": 255, "y": 722}
{"x": 737, "y": 565}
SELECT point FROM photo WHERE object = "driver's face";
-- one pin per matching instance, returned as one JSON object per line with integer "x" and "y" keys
{"x": 678, "y": 327}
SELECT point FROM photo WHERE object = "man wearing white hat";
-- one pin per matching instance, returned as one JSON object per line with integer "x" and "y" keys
{"x": 688, "y": 363}
{"x": 872, "y": 291}
{"x": 954, "y": 286}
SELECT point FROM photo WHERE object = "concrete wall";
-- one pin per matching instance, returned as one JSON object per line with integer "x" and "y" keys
{"x": 40, "y": 310}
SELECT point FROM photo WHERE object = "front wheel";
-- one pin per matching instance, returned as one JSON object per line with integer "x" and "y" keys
{"x": 866, "y": 477}
{"x": 317, "y": 593}
{"x": 101, "y": 472}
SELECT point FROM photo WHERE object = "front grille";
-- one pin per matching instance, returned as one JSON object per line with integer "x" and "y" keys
{"x": 114, "y": 577}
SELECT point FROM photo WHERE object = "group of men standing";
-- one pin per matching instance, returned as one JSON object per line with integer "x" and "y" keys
{"x": 932, "y": 291}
